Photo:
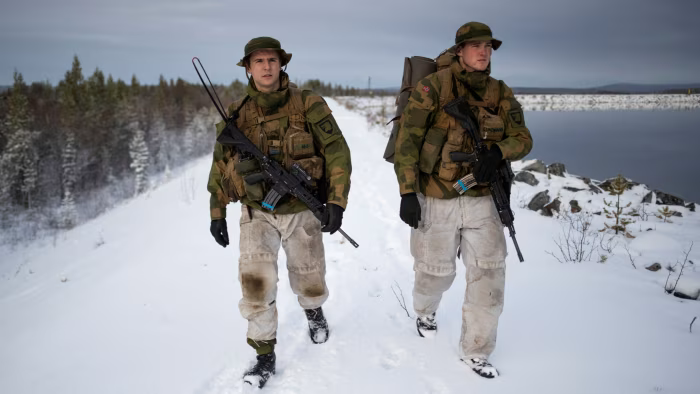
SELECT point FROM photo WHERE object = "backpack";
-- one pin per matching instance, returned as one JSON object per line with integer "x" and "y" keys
{"x": 415, "y": 68}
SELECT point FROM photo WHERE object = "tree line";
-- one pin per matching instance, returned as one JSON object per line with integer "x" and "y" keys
{"x": 71, "y": 145}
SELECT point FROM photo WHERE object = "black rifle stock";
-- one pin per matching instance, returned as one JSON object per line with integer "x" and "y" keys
{"x": 500, "y": 184}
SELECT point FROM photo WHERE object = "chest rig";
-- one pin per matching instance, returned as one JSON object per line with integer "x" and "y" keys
{"x": 446, "y": 135}
{"x": 282, "y": 136}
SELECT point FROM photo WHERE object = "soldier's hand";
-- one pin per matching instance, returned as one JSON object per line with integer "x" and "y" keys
{"x": 332, "y": 218}
{"x": 410, "y": 209}
{"x": 485, "y": 168}
{"x": 219, "y": 231}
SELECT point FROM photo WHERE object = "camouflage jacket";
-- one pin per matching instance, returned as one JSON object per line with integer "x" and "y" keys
{"x": 427, "y": 134}
{"x": 329, "y": 146}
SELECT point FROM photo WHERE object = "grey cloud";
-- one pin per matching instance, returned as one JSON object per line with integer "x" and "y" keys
{"x": 546, "y": 42}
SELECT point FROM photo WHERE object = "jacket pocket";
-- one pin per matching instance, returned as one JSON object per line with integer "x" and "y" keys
{"x": 430, "y": 151}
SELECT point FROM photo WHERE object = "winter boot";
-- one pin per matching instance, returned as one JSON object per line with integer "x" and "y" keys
{"x": 482, "y": 367}
{"x": 262, "y": 370}
{"x": 427, "y": 327}
{"x": 318, "y": 326}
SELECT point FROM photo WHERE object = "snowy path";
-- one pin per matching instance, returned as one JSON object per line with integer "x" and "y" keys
{"x": 142, "y": 300}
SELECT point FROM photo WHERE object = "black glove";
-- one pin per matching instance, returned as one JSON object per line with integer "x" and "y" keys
{"x": 485, "y": 168}
{"x": 410, "y": 209}
{"x": 219, "y": 231}
{"x": 332, "y": 218}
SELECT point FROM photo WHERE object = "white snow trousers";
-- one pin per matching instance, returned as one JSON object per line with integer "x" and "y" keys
{"x": 261, "y": 235}
{"x": 473, "y": 225}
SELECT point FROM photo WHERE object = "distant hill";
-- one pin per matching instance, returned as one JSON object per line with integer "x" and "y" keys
{"x": 4, "y": 88}
{"x": 618, "y": 88}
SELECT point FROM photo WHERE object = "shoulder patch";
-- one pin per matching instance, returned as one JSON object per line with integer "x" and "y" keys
{"x": 426, "y": 89}
{"x": 516, "y": 116}
{"x": 326, "y": 126}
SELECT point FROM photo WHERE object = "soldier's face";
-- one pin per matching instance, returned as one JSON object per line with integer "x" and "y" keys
{"x": 265, "y": 69}
{"x": 475, "y": 54}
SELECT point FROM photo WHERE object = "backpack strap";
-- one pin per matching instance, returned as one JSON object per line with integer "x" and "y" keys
{"x": 493, "y": 93}
{"x": 296, "y": 105}
{"x": 237, "y": 112}
{"x": 447, "y": 86}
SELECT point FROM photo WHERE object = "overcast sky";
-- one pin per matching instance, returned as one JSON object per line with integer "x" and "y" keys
{"x": 546, "y": 43}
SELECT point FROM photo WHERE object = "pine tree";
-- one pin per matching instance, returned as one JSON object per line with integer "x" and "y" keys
{"x": 159, "y": 143}
{"x": 68, "y": 215}
{"x": 617, "y": 188}
{"x": 665, "y": 214}
{"x": 138, "y": 151}
{"x": 72, "y": 96}
{"x": 19, "y": 160}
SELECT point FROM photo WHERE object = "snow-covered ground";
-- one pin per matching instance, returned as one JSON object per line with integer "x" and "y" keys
{"x": 142, "y": 300}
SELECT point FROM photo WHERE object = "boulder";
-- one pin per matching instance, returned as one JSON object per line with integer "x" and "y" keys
{"x": 594, "y": 189}
{"x": 647, "y": 199}
{"x": 557, "y": 169}
{"x": 549, "y": 209}
{"x": 537, "y": 166}
{"x": 605, "y": 185}
{"x": 683, "y": 295}
{"x": 691, "y": 206}
{"x": 677, "y": 214}
{"x": 573, "y": 189}
{"x": 539, "y": 201}
{"x": 575, "y": 208}
{"x": 526, "y": 177}
{"x": 668, "y": 199}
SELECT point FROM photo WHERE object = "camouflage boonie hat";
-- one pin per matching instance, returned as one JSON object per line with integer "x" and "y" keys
{"x": 265, "y": 43}
{"x": 475, "y": 31}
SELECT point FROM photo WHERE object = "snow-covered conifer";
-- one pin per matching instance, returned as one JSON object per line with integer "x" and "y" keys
{"x": 138, "y": 151}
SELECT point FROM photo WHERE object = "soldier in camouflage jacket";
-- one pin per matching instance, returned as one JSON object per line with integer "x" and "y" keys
{"x": 289, "y": 125}
{"x": 442, "y": 221}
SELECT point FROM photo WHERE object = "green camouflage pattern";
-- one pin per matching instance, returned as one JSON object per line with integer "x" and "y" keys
{"x": 476, "y": 31}
{"x": 328, "y": 142}
{"x": 424, "y": 113}
{"x": 262, "y": 346}
{"x": 259, "y": 43}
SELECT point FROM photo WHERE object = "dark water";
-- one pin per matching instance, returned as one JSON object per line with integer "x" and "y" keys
{"x": 658, "y": 148}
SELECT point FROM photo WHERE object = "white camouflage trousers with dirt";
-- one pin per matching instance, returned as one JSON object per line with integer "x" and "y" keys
{"x": 261, "y": 235}
{"x": 473, "y": 225}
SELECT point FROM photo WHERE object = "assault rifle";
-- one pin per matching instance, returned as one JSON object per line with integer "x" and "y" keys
{"x": 499, "y": 185}
{"x": 296, "y": 183}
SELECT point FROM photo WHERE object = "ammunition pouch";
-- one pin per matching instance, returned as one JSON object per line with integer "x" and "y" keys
{"x": 231, "y": 181}
{"x": 491, "y": 126}
{"x": 450, "y": 170}
{"x": 255, "y": 191}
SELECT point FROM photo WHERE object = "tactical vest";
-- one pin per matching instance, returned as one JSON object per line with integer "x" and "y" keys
{"x": 282, "y": 136}
{"x": 446, "y": 135}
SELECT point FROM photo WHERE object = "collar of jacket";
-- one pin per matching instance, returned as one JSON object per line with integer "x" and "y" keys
{"x": 475, "y": 79}
{"x": 273, "y": 99}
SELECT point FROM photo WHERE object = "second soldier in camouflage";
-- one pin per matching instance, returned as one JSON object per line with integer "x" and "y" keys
{"x": 442, "y": 220}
